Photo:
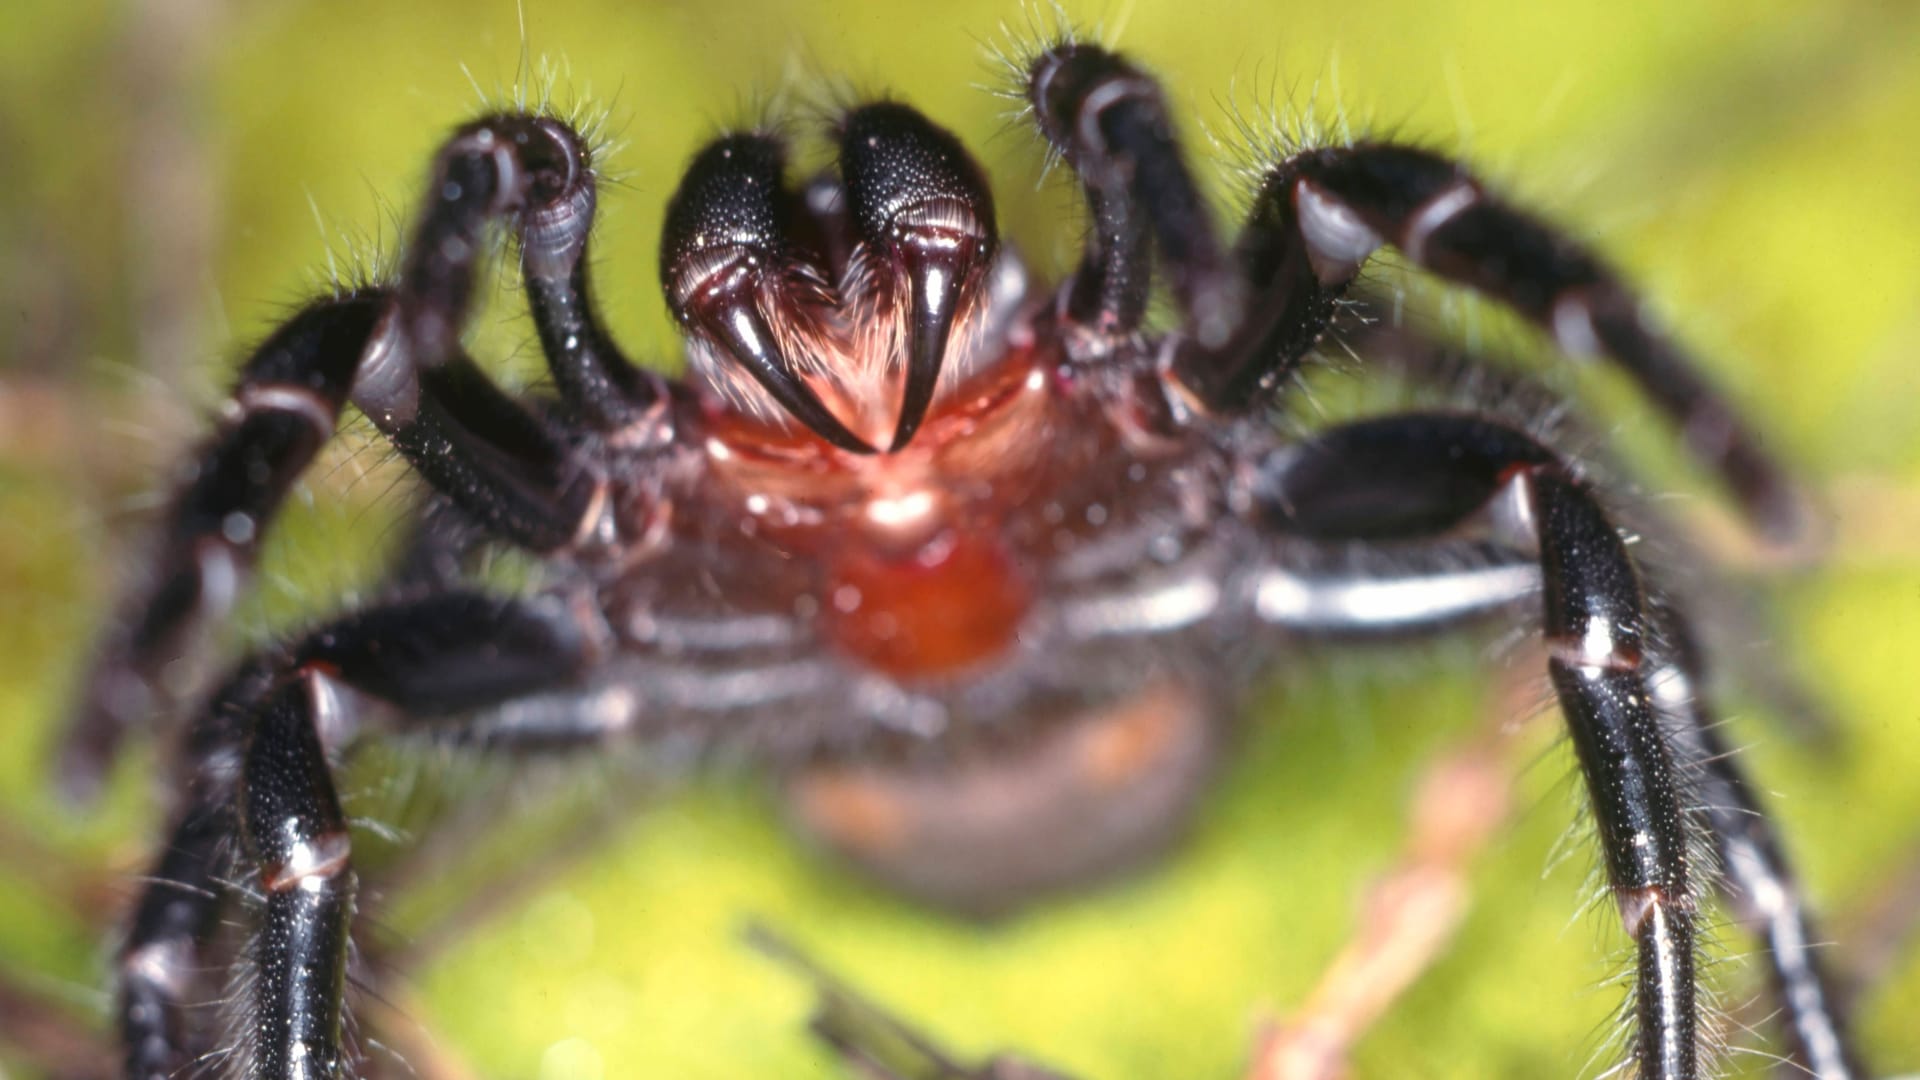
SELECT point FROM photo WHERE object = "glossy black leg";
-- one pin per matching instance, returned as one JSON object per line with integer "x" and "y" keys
{"x": 258, "y": 768}
{"x": 1109, "y": 121}
{"x": 595, "y": 379}
{"x": 282, "y": 411}
{"x": 1322, "y": 213}
{"x": 161, "y": 962}
{"x": 1758, "y": 880}
{"x": 502, "y": 466}
{"x": 396, "y": 350}
{"x": 295, "y": 836}
{"x": 1290, "y": 306}
{"x": 491, "y": 458}
{"x": 532, "y": 174}
{"x": 1444, "y": 375}
{"x": 1417, "y": 474}
{"x": 472, "y": 442}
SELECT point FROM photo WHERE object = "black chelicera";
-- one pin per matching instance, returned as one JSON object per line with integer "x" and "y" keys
{"x": 917, "y": 529}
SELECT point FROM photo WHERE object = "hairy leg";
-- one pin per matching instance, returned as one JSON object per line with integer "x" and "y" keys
{"x": 395, "y": 351}
{"x": 1412, "y": 474}
{"x": 259, "y": 808}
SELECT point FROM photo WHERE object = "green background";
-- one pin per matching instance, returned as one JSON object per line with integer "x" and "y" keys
{"x": 162, "y": 168}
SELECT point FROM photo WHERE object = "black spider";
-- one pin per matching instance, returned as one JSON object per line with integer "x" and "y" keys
{"x": 920, "y": 532}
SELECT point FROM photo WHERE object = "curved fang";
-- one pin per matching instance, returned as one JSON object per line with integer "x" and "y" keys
{"x": 725, "y": 260}
{"x": 742, "y": 331}
{"x": 920, "y": 204}
{"x": 939, "y": 265}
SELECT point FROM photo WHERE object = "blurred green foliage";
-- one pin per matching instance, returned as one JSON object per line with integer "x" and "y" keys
{"x": 175, "y": 173}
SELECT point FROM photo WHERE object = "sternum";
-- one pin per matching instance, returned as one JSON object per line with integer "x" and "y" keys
{"x": 955, "y": 601}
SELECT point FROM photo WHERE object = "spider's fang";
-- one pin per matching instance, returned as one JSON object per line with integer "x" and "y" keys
{"x": 731, "y": 318}
{"x": 918, "y": 198}
{"x": 725, "y": 263}
{"x": 936, "y": 266}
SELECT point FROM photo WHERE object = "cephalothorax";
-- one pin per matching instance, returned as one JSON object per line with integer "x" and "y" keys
{"x": 907, "y": 498}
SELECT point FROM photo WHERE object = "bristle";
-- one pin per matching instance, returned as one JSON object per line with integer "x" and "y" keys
{"x": 876, "y": 343}
{"x": 355, "y": 259}
{"x": 1266, "y": 125}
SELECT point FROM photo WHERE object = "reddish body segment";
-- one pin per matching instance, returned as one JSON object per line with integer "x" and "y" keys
{"x": 917, "y": 576}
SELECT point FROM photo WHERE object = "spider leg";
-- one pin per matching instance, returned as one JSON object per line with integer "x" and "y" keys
{"x": 494, "y": 461}
{"x": 1720, "y": 606}
{"x": 1316, "y": 219}
{"x": 1414, "y": 474}
{"x": 595, "y": 379}
{"x": 282, "y": 410}
{"x": 395, "y": 352}
{"x": 1327, "y": 492}
{"x": 1321, "y": 213}
{"x": 1758, "y": 881}
{"x": 1109, "y": 121}
{"x": 258, "y": 766}
{"x": 532, "y": 174}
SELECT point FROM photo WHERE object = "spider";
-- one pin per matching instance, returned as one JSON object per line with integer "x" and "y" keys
{"x": 982, "y": 564}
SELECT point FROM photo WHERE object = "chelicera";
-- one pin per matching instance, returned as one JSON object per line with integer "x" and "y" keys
{"x": 980, "y": 565}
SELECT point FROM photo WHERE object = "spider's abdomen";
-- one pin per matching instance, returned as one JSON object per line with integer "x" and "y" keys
{"x": 1084, "y": 795}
